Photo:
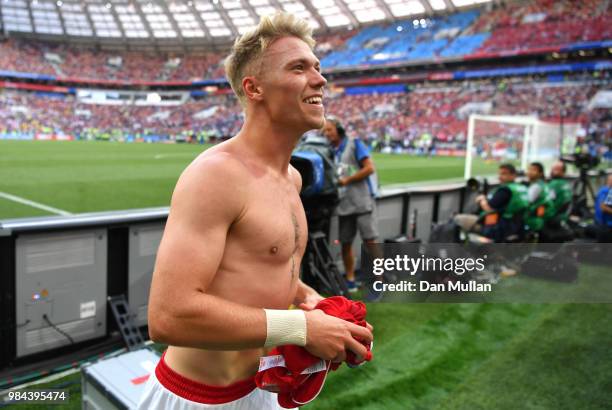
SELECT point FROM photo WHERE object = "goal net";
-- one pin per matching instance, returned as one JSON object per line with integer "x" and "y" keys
{"x": 494, "y": 139}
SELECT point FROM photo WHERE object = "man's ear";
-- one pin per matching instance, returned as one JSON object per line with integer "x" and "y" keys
{"x": 252, "y": 88}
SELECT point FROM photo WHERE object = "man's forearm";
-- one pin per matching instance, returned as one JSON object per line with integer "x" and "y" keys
{"x": 606, "y": 209}
{"x": 208, "y": 322}
{"x": 484, "y": 205}
{"x": 360, "y": 175}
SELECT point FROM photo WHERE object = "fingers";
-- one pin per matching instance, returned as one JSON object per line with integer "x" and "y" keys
{"x": 341, "y": 357}
{"x": 362, "y": 333}
{"x": 357, "y": 348}
{"x": 369, "y": 327}
{"x": 306, "y": 306}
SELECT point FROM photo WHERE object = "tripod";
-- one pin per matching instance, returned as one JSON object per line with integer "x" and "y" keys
{"x": 320, "y": 269}
{"x": 582, "y": 187}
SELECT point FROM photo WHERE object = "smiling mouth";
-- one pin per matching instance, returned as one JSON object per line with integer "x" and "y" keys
{"x": 314, "y": 100}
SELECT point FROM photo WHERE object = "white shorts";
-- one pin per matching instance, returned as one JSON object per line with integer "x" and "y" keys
{"x": 168, "y": 390}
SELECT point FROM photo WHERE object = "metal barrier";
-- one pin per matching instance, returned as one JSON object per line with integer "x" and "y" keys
{"x": 57, "y": 272}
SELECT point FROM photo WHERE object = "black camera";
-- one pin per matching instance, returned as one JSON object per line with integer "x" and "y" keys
{"x": 582, "y": 161}
{"x": 474, "y": 185}
{"x": 314, "y": 160}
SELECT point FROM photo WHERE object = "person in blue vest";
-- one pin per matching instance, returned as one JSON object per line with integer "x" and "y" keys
{"x": 356, "y": 209}
{"x": 603, "y": 213}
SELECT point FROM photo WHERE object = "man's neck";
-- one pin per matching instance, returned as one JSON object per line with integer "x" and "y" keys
{"x": 270, "y": 142}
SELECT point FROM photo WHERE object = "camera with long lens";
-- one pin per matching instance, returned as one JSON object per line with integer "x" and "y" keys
{"x": 476, "y": 186}
{"x": 582, "y": 161}
{"x": 314, "y": 160}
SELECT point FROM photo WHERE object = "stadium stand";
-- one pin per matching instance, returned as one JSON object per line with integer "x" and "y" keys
{"x": 544, "y": 23}
{"x": 64, "y": 61}
{"x": 436, "y": 109}
{"x": 27, "y": 115}
{"x": 513, "y": 27}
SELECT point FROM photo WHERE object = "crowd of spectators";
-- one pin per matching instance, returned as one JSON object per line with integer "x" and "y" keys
{"x": 440, "y": 111}
{"x": 505, "y": 27}
{"x": 63, "y": 61}
{"x": 29, "y": 114}
{"x": 543, "y": 23}
{"x": 197, "y": 67}
{"x": 23, "y": 57}
{"x": 436, "y": 111}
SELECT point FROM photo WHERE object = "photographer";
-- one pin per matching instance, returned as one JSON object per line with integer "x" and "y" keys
{"x": 561, "y": 194}
{"x": 540, "y": 203}
{"x": 502, "y": 213}
{"x": 357, "y": 204}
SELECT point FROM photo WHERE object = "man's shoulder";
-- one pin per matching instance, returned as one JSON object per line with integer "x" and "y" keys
{"x": 603, "y": 192}
{"x": 360, "y": 148}
{"x": 217, "y": 163}
{"x": 296, "y": 177}
{"x": 357, "y": 142}
{"x": 216, "y": 177}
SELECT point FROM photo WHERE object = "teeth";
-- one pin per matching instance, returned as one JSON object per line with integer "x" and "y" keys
{"x": 314, "y": 100}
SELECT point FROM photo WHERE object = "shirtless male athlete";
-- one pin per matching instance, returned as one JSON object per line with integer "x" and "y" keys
{"x": 227, "y": 268}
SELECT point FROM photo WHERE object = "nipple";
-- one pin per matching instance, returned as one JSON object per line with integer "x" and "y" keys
{"x": 274, "y": 249}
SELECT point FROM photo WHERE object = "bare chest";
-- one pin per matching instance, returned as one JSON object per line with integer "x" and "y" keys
{"x": 273, "y": 227}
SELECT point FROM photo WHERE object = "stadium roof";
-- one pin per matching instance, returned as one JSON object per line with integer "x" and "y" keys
{"x": 190, "y": 22}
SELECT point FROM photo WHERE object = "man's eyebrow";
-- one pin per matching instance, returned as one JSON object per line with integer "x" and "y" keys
{"x": 303, "y": 61}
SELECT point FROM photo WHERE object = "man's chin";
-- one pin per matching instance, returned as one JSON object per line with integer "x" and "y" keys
{"x": 316, "y": 123}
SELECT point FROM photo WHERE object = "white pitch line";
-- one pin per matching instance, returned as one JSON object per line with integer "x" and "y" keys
{"x": 33, "y": 204}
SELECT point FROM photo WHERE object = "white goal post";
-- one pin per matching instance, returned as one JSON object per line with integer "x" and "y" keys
{"x": 516, "y": 138}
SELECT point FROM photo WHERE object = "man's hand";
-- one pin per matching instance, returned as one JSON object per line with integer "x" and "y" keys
{"x": 310, "y": 301}
{"x": 306, "y": 298}
{"x": 344, "y": 181}
{"x": 329, "y": 337}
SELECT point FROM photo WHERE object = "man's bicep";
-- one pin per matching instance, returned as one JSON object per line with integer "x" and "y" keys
{"x": 189, "y": 256}
{"x": 201, "y": 213}
{"x": 367, "y": 163}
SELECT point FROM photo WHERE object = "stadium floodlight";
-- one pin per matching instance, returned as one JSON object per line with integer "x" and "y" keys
{"x": 515, "y": 138}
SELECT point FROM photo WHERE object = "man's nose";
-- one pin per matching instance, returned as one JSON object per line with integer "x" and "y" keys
{"x": 318, "y": 81}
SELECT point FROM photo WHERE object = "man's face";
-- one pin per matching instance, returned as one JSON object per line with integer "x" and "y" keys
{"x": 505, "y": 176}
{"x": 292, "y": 85}
{"x": 556, "y": 171}
{"x": 331, "y": 132}
{"x": 533, "y": 174}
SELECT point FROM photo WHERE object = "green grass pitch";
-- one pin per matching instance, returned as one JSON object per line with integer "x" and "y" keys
{"x": 427, "y": 356}
{"x": 100, "y": 176}
{"x": 471, "y": 357}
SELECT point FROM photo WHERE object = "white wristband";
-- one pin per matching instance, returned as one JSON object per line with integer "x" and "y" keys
{"x": 285, "y": 327}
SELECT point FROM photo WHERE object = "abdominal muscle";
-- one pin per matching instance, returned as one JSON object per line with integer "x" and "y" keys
{"x": 213, "y": 367}
{"x": 222, "y": 368}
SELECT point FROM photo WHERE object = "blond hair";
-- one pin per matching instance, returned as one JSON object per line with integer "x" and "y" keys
{"x": 246, "y": 53}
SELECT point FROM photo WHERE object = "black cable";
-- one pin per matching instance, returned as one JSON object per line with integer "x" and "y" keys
{"x": 46, "y": 319}
{"x": 14, "y": 326}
